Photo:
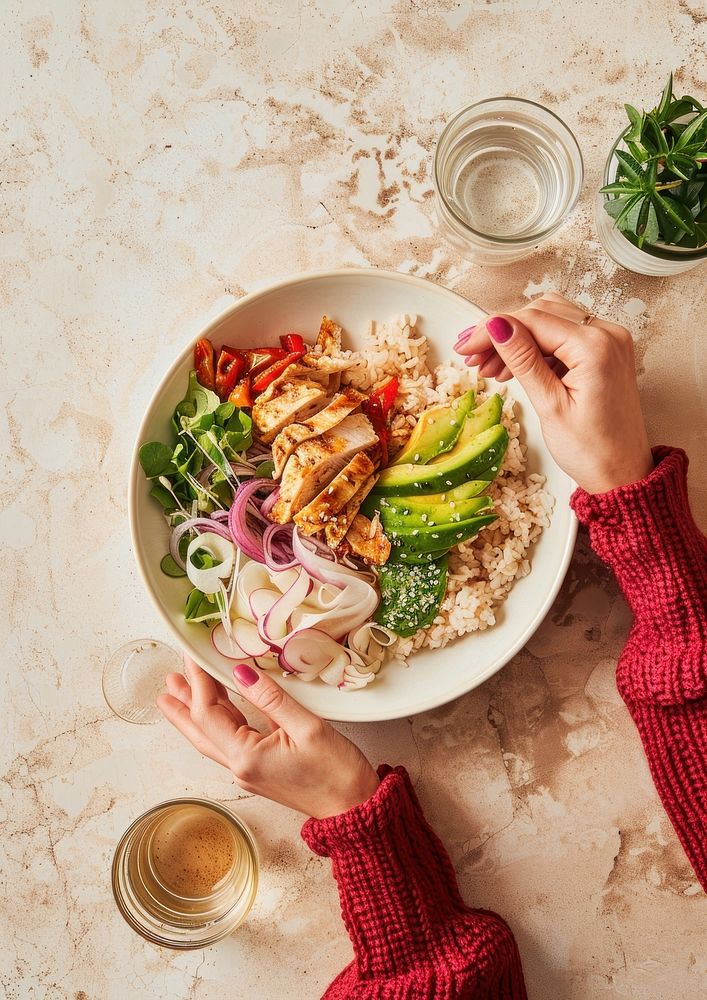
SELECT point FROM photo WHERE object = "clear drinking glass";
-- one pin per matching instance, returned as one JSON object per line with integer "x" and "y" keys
{"x": 655, "y": 259}
{"x": 507, "y": 173}
{"x": 134, "y": 675}
{"x": 185, "y": 873}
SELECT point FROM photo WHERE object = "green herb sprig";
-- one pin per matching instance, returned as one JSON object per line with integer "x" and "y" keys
{"x": 660, "y": 188}
{"x": 207, "y": 432}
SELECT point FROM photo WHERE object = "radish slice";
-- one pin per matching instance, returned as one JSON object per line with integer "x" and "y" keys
{"x": 225, "y": 645}
{"x": 261, "y": 601}
{"x": 223, "y": 553}
{"x": 247, "y": 638}
{"x": 273, "y": 627}
{"x": 308, "y": 652}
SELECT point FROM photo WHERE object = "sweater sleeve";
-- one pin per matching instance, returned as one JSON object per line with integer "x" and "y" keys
{"x": 646, "y": 534}
{"x": 412, "y": 935}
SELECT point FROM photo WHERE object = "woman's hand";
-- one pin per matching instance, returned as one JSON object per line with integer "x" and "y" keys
{"x": 302, "y": 762}
{"x": 580, "y": 379}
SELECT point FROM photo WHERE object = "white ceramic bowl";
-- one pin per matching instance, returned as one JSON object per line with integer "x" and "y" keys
{"x": 353, "y": 298}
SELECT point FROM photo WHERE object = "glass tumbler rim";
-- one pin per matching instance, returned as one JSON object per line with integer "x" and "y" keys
{"x": 153, "y": 933}
{"x": 510, "y": 241}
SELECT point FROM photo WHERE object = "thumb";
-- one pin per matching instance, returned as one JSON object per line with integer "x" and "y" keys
{"x": 269, "y": 698}
{"x": 514, "y": 344}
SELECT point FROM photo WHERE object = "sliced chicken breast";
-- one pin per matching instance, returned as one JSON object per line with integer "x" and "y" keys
{"x": 333, "y": 498}
{"x": 329, "y": 337}
{"x": 336, "y": 528}
{"x": 332, "y": 414}
{"x": 315, "y": 463}
{"x": 323, "y": 363}
{"x": 368, "y": 541}
{"x": 287, "y": 399}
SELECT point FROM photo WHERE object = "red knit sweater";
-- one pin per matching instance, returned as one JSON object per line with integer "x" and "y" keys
{"x": 413, "y": 936}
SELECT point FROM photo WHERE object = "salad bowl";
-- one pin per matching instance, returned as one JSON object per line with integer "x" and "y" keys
{"x": 353, "y": 297}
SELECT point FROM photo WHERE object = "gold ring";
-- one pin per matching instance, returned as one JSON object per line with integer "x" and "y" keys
{"x": 587, "y": 320}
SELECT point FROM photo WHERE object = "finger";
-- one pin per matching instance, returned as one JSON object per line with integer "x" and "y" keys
{"x": 559, "y": 307}
{"x": 275, "y": 703}
{"x": 178, "y": 686}
{"x": 218, "y": 720}
{"x": 492, "y": 367}
{"x": 477, "y": 359}
{"x": 518, "y": 349}
{"x": 177, "y": 713}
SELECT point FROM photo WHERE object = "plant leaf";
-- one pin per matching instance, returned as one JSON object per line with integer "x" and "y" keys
{"x": 665, "y": 99}
{"x": 156, "y": 459}
{"x": 628, "y": 166}
{"x": 692, "y": 129}
{"x": 621, "y": 187}
{"x": 636, "y": 149}
{"x": 652, "y": 126}
{"x": 683, "y": 166}
{"x": 679, "y": 214}
{"x": 682, "y": 107}
{"x": 636, "y": 119}
{"x": 627, "y": 218}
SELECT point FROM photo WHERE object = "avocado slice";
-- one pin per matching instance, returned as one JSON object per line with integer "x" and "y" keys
{"x": 478, "y": 420}
{"x": 437, "y": 431}
{"x": 402, "y": 515}
{"x": 373, "y": 504}
{"x": 483, "y": 452}
{"x": 417, "y": 541}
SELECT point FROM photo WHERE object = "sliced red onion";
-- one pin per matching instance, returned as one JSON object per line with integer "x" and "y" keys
{"x": 277, "y": 547}
{"x": 219, "y": 515}
{"x": 269, "y": 502}
{"x": 197, "y": 524}
{"x": 244, "y": 511}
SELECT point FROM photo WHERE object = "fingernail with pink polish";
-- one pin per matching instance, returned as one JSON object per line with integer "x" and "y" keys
{"x": 245, "y": 675}
{"x": 464, "y": 336}
{"x": 499, "y": 329}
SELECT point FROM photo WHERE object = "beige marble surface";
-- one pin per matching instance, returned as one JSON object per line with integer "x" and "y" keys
{"x": 159, "y": 159}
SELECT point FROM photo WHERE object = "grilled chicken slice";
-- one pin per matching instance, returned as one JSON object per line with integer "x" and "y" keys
{"x": 334, "y": 497}
{"x": 315, "y": 463}
{"x": 323, "y": 363}
{"x": 286, "y": 399}
{"x": 337, "y": 527}
{"x": 329, "y": 337}
{"x": 334, "y": 412}
{"x": 367, "y": 541}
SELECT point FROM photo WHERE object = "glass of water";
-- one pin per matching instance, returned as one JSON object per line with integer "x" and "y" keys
{"x": 507, "y": 173}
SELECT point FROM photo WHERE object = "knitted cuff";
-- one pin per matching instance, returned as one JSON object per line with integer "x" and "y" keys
{"x": 367, "y": 821}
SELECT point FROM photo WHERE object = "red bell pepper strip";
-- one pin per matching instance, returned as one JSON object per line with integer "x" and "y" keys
{"x": 386, "y": 393}
{"x": 242, "y": 395}
{"x": 204, "y": 363}
{"x": 373, "y": 408}
{"x": 229, "y": 368}
{"x": 260, "y": 358}
{"x": 263, "y": 380}
{"x": 293, "y": 342}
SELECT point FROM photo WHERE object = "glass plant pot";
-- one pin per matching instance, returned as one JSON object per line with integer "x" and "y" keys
{"x": 657, "y": 259}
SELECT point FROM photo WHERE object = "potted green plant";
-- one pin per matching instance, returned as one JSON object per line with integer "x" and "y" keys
{"x": 652, "y": 210}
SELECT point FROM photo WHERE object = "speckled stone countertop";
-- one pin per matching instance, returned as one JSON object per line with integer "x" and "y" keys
{"x": 158, "y": 160}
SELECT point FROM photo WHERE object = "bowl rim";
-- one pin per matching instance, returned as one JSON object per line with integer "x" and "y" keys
{"x": 435, "y": 701}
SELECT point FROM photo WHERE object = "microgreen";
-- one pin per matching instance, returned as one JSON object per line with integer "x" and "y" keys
{"x": 659, "y": 192}
{"x": 207, "y": 433}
